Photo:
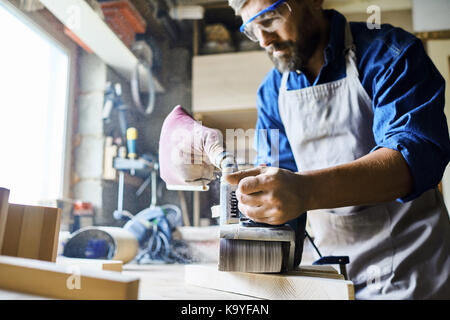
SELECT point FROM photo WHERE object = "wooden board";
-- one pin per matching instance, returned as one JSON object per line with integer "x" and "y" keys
{"x": 32, "y": 232}
{"x": 296, "y": 285}
{"x": 166, "y": 282}
{"x": 228, "y": 81}
{"x": 4, "y": 196}
{"x": 319, "y": 271}
{"x": 48, "y": 279}
{"x": 94, "y": 264}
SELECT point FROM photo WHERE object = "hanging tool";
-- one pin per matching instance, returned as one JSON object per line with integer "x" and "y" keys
{"x": 131, "y": 142}
{"x": 136, "y": 90}
{"x": 131, "y": 145}
{"x": 114, "y": 100}
{"x": 247, "y": 246}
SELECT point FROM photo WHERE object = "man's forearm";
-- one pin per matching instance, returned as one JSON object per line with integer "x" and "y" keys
{"x": 380, "y": 176}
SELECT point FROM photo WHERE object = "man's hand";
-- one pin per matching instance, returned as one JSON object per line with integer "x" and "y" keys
{"x": 269, "y": 195}
{"x": 187, "y": 150}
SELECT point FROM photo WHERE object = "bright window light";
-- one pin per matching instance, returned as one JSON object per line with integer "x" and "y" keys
{"x": 33, "y": 107}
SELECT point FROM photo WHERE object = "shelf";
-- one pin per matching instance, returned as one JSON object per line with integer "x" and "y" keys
{"x": 84, "y": 22}
{"x": 229, "y": 81}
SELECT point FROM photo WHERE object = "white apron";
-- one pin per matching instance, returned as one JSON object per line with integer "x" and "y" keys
{"x": 397, "y": 251}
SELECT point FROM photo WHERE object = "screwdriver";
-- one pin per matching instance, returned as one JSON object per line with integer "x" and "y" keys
{"x": 131, "y": 142}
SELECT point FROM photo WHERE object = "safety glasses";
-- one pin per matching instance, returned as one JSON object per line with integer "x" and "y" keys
{"x": 268, "y": 20}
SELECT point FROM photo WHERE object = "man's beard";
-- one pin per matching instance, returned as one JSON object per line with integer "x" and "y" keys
{"x": 297, "y": 53}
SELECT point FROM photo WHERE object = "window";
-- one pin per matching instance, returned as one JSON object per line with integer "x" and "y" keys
{"x": 34, "y": 82}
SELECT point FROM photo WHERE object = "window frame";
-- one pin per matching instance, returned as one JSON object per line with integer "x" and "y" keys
{"x": 48, "y": 26}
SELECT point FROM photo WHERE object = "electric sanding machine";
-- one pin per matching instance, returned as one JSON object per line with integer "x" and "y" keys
{"x": 245, "y": 245}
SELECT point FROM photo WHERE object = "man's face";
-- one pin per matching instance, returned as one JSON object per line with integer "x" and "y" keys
{"x": 291, "y": 46}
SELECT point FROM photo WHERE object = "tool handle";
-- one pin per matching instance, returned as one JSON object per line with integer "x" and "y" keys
{"x": 131, "y": 142}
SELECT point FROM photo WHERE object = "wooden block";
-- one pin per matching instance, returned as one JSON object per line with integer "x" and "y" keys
{"x": 295, "y": 285}
{"x": 48, "y": 279}
{"x": 32, "y": 232}
{"x": 110, "y": 152}
{"x": 4, "y": 196}
{"x": 12, "y": 235}
{"x": 50, "y": 234}
{"x": 94, "y": 264}
{"x": 318, "y": 271}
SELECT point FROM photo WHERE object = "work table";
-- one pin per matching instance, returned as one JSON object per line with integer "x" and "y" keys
{"x": 166, "y": 282}
{"x": 157, "y": 282}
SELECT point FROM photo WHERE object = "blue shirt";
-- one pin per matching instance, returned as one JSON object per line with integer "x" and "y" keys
{"x": 407, "y": 91}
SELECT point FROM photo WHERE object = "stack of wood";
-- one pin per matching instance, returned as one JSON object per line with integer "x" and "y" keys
{"x": 29, "y": 263}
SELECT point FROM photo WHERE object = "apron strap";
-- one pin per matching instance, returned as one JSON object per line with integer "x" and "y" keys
{"x": 284, "y": 80}
{"x": 349, "y": 45}
{"x": 350, "y": 56}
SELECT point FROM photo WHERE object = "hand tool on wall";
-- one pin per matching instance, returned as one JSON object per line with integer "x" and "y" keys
{"x": 131, "y": 142}
{"x": 113, "y": 100}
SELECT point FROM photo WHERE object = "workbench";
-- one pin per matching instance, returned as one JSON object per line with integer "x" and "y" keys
{"x": 165, "y": 282}
{"x": 157, "y": 282}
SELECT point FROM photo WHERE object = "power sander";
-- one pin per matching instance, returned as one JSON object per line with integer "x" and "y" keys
{"x": 245, "y": 245}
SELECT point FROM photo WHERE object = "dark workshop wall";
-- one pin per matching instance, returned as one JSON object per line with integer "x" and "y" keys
{"x": 177, "y": 70}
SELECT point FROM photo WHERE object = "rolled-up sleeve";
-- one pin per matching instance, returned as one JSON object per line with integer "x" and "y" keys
{"x": 408, "y": 103}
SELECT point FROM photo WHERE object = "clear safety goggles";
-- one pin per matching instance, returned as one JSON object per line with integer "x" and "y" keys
{"x": 267, "y": 20}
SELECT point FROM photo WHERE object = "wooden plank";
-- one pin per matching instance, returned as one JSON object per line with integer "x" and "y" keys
{"x": 12, "y": 295}
{"x": 109, "y": 173}
{"x": 12, "y": 234}
{"x": 195, "y": 37}
{"x": 4, "y": 197}
{"x": 32, "y": 232}
{"x": 292, "y": 286}
{"x": 166, "y": 282}
{"x": 95, "y": 264}
{"x": 50, "y": 234}
{"x": 320, "y": 271}
{"x": 64, "y": 282}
